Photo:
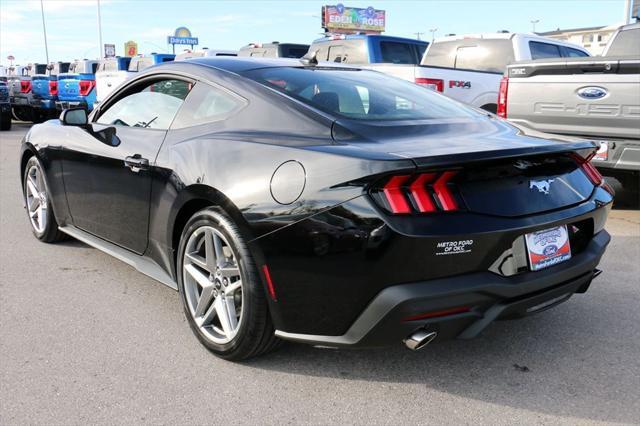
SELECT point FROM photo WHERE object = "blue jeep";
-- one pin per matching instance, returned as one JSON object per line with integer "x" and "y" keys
{"x": 76, "y": 89}
{"x": 45, "y": 90}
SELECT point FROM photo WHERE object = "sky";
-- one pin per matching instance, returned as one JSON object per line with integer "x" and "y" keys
{"x": 72, "y": 30}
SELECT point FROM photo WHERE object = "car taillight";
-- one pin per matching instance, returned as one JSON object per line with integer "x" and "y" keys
{"x": 25, "y": 86}
{"x": 431, "y": 83}
{"x": 86, "y": 86}
{"x": 502, "y": 97}
{"x": 589, "y": 169}
{"x": 423, "y": 193}
{"x": 53, "y": 88}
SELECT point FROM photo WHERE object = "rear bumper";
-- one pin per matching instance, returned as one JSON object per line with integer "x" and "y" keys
{"x": 61, "y": 105}
{"x": 486, "y": 295}
{"x": 624, "y": 155}
{"x": 43, "y": 104}
{"x": 20, "y": 101}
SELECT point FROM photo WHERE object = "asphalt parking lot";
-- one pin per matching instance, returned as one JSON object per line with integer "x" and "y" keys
{"x": 84, "y": 338}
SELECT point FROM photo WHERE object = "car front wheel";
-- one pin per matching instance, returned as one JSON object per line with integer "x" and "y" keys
{"x": 37, "y": 202}
{"x": 223, "y": 298}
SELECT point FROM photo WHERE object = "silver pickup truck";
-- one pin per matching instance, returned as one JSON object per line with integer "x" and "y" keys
{"x": 596, "y": 98}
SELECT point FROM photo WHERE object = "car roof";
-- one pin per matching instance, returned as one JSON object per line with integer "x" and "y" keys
{"x": 240, "y": 64}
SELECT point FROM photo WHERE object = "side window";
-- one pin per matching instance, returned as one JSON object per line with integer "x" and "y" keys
{"x": 397, "y": 53}
{"x": 152, "y": 107}
{"x": 355, "y": 52}
{"x": 573, "y": 53}
{"x": 206, "y": 104}
{"x": 336, "y": 53}
{"x": 543, "y": 50}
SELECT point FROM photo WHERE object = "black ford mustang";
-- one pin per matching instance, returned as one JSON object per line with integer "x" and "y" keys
{"x": 321, "y": 204}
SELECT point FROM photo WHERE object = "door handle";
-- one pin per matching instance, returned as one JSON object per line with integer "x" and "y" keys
{"x": 136, "y": 163}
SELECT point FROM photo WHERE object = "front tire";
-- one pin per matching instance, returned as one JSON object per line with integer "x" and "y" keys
{"x": 220, "y": 288}
{"x": 36, "y": 197}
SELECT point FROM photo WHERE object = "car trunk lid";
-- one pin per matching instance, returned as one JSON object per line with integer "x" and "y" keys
{"x": 495, "y": 168}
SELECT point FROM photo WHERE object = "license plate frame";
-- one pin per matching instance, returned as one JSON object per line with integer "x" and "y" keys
{"x": 548, "y": 247}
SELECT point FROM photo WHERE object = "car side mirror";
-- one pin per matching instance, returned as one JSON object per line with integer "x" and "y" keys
{"x": 74, "y": 117}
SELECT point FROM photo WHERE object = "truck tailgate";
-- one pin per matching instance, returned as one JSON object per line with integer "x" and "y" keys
{"x": 582, "y": 97}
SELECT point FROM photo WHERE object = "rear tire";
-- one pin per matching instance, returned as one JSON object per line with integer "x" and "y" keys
{"x": 36, "y": 197}
{"x": 5, "y": 122}
{"x": 221, "y": 291}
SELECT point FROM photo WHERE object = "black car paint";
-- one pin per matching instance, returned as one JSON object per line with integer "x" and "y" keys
{"x": 331, "y": 251}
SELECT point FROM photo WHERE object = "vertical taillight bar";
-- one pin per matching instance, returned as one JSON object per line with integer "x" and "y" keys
{"x": 503, "y": 92}
{"x": 394, "y": 195}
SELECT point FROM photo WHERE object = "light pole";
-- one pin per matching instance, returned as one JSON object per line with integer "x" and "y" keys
{"x": 418, "y": 35}
{"x": 44, "y": 30}
{"x": 99, "y": 32}
{"x": 627, "y": 11}
{"x": 433, "y": 33}
{"x": 533, "y": 23}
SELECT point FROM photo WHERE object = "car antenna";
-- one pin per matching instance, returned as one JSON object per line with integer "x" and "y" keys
{"x": 310, "y": 59}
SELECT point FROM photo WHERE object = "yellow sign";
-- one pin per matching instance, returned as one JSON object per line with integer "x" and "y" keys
{"x": 130, "y": 48}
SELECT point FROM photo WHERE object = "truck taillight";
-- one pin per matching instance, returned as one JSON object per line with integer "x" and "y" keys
{"x": 423, "y": 193}
{"x": 53, "y": 88}
{"x": 86, "y": 86}
{"x": 502, "y": 97}
{"x": 25, "y": 86}
{"x": 431, "y": 83}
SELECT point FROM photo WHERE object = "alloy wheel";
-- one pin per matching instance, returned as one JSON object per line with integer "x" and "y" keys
{"x": 36, "y": 198}
{"x": 213, "y": 284}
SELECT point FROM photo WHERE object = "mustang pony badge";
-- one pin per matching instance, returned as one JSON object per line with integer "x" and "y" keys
{"x": 542, "y": 185}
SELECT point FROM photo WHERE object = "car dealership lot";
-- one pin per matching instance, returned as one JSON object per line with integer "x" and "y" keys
{"x": 85, "y": 338}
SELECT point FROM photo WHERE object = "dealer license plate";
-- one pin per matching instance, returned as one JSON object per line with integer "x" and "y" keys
{"x": 548, "y": 247}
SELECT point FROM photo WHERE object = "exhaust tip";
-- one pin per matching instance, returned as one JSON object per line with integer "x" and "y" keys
{"x": 419, "y": 339}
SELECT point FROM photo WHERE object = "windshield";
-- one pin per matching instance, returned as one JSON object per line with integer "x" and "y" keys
{"x": 358, "y": 94}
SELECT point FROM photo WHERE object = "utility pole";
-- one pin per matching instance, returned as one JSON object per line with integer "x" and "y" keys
{"x": 627, "y": 11}
{"x": 418, "y": 35}
{"x": 533, "y": 23}
{"x": 99, "y": 32}
{"x": 433, "y": 33}
{"x": 44, "y": 30}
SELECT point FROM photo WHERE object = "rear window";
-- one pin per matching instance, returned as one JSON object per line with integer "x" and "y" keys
{"x": 293, "y": 51}
{"x": 626, "y": 43}
{"x": 358, "y": 94}
{"x": 393, "y": 52}
{"x": 471, "y": 54}
{"x": 541, "y": 50}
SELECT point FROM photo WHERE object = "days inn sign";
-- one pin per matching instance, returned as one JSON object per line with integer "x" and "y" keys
{"x": 182, "y": 35}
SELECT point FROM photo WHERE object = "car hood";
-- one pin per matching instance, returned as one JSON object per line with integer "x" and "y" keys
{"x": 430, "y": 142}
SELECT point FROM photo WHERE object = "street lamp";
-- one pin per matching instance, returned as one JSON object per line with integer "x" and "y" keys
{"x": 44, "y": 30}
{"x": 433, "y": 33}
{"x": 99, "y": 32}
{"x": 533, "y": 23}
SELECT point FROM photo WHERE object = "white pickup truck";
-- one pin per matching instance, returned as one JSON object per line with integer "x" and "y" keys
{"x": 468, "y": 68}
{"x": 594, "y": 98}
